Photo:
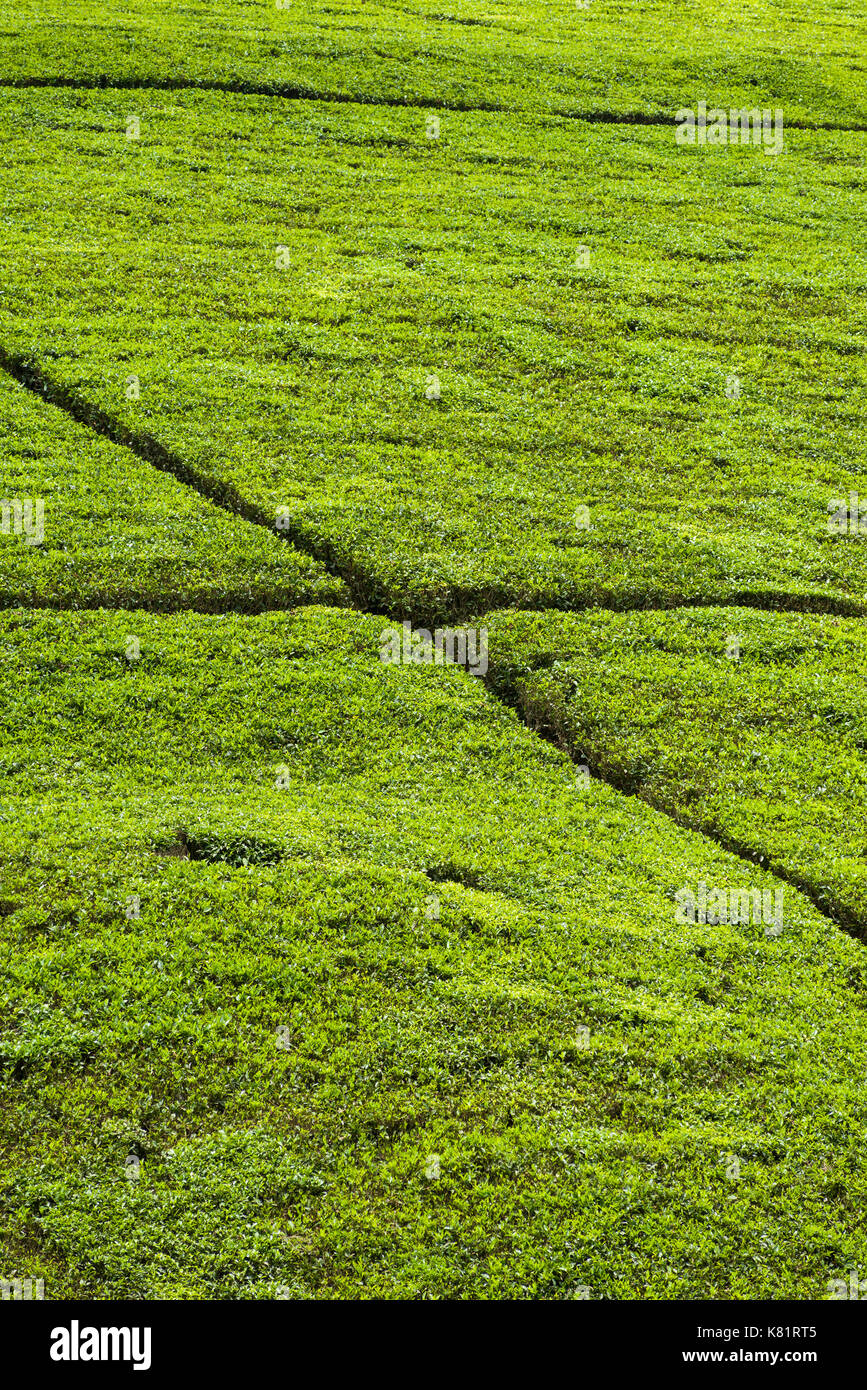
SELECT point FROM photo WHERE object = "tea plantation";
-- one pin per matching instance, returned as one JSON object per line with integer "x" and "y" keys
{"x": 535, "y": 976}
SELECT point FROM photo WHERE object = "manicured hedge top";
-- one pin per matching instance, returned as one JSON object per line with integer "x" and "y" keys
{"x": 524, "y": 55}
{"x": 382, "y": 997}
{"x": 748, "y": 726}
{"x": 99, "y": 526}
{"x": 502, "y": 367}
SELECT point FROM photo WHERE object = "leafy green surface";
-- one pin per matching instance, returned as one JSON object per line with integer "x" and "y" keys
{"x": 383, "y": 997}
{"x": 504, "y": 54}
{"x": 116, "y": 531}
{"x": 302, "y": 385}
{"x": 748, "y": 726}
{"x": 584, "y": 1067}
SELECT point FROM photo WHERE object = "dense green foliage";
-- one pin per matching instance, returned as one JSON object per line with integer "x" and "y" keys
{"x": 117, "y": 531}
{"x": 748, "y": 726}
{"x": 504, "y": 54}
{"x": 324, "y": 977}
{"x": 302, "y": 386}
{"x": 567, "y": 1158}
